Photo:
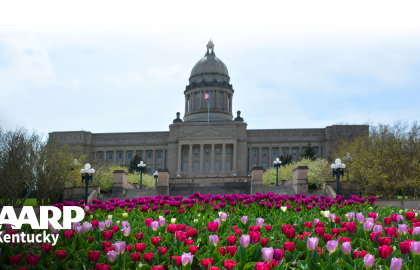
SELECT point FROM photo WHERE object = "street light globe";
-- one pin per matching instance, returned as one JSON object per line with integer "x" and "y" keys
{"x": 156, "y": 173}
{"x": 337, "y": 161}
{"x": 234, "y": 175}
{"x": 343, "y": 166}
{"x": 178, "y": 176}
{"x": 338, "y": 166}
{"x": 277, "y": 159}
{"x": 333, "y": 166}
{"x": 87, "y": 166}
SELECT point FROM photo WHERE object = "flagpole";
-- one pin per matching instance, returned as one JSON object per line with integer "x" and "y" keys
{"x": 208, "y": 110}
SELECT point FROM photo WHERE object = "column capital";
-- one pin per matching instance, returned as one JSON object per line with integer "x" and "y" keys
{"x": 224, "y": 144}
{"x": 202, "y": 144}
{"x": 213, "y": 144}
{"x": 191, "y": 144}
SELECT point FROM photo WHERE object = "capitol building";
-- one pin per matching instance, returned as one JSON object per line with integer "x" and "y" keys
{"x": 210, "y": 140}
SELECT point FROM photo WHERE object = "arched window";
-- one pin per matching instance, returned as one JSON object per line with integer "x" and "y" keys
{"x": 217, "y": 167}
{"x": 206, "y": 166}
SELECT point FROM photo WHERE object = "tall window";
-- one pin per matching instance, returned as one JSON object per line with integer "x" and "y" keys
{"x": 185, "y": 167}
{"x": 254, "y": 165}
{"x": 303, "y": 151}
{"x": 119, "y": 155}
{"x": 264, "y": 166}
{"x": 228, "y": 151}
{"x": 196, "y": 166}
{"x": 217, "y": 151}
{"x": 274, "y": 153}
{"x": 228, "y": 166}
{"x": 130, "y": 155}
{"x": 185, "y": 152}
{"x": 159, "y": 155}
{"x": 284, "y": 152}
{"x": 294, "y": 152}
{"x": 264, "y": 153}
{"x": 196, "y": 152}
{"x": 217, "y": 167}
{"x": 149, "y": 155}
{"x": 110, "y": 156}
{"x": 207, "y": 152}
{"x": 158, "y": 168}
{"x": 140, "y": 154}
{"x": 254, "y": 153}
{"x": 100, "y": 156}
{"x": 206, "y": 166}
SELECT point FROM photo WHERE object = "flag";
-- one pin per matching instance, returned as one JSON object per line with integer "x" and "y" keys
{"x": 207, "y": 95}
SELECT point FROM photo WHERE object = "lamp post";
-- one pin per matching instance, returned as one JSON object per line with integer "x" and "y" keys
{"x": 234, "y": 177}
{"x": 338, "y": 170}
{"x": 155, "y": 175}
{"x": 142, "y": 168}
{"x": 277, "y": 164}
{"x": 87, "y": 174}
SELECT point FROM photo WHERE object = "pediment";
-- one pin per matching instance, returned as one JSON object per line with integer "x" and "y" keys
{"x": 208, "y": 132}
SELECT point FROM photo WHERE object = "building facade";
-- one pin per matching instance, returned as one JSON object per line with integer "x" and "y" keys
{"x": 208, "y": 142}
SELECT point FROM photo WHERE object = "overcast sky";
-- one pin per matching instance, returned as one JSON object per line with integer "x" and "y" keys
{"x": 123, "y": 68}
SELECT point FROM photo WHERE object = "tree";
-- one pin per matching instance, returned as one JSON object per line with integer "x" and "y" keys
{"x": 133, "y": 164}
{"x": 310, "y": 152}
{"x": 285, "y": 160}
{"x": 19, "y": 153}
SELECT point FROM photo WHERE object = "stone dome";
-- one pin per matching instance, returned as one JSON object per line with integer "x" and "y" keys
{"x": 210, "y": 64}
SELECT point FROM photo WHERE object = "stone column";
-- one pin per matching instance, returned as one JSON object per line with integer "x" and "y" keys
{"x": 319, "y": 151}
{"x": 144, "y": 156}
{"x": 223, "y": 158}
{"x": 179, "y": 158}
{"x": 300, "y": 151}
{"x": 190, "y": 159}
{"x": 186, "y": 104}
{"x": 104, "y": 154}
{"x": 164, "y": 159}
{"x": 201, "y": 157}
{"x": 115, "y": 157}
{"x": 192, "y": 101}
{"x": 231, "y": 102}
{"x": 269, "y": 158}
{"x": 154, "y": 162}
{"x": 290, "y": 150}
{"x": 124, "y": 156}
{"x": 234, "y": 158}
{"x": 260, "y": 156}
{"x": 212, "y": 159}
{"x": 250, "y": 159}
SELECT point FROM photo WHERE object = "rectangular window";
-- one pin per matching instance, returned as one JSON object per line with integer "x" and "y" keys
{"x": 217, "y": 151}
{"x": 264, "y": 153}
{"x": 196, "y": 166}
{"x": 303, "y": 151}
{"x": 254, "y": 153}
{"x": 119, "y": 155}
{"x": 185, "y": 167}
{"x": 130, "y": 155}
{"x": 159, "y": 167}
{"x": 254, "y": 165}
{"x": 228, "y": 151}
{"x": 207, "y": 152}
{"x": 110, "y": 156}
{"x": 185, "y": 152}
{"x": 149, "y": 155}
{"x": 100, "y": 156}
{"x": 217, "y": 167}
{"x": 206, "y": 166}
{"x": 140, "y": 154}
{"x": 196, "y": 152}
{"x": 159, "y": 155}
{"x": 284, "y": 152}
{"x": 274, "y": 153}
{"x": 228, "y": 166}
{"x": 264, "y": 166}
{"x": 294, "y": 152}
{"x": 149, "y": 169}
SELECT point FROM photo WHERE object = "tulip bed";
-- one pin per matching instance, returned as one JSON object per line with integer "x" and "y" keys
{"x": 215, "y": 232}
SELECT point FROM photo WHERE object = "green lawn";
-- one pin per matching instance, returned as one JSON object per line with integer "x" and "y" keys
{"x": 30, "y": 202}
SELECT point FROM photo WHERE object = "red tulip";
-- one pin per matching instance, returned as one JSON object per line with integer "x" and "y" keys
{"x": 286, "y": 227}
{"x": 254, "y": 228}
{"x": 351, "y": 227}
{"x": 262, "y": 266}
{"x": 108, "y": 234}
{"x": 328, "y": 237}
{"x": 290, "y": 246}
{"x": 106, "y": 244}
{"x": 140, "y": 247}
{"x": 148, "y": 222}
{"x": 308, "y": 225}
{"x": 178, "y": 260}
{"x": 90, "y": 239}
{"x": 156, "y": 240}
{"x": 410, "y": 215}
{"x": 335, "y": 232}
{"x": 231, "y": 239}
{"x": 391, "y": 231}
{"x": 102, "y": 266}
{"x": 374, "y": 235}
{"x": 172, "y": 228}
{"x": 384, "y": 241}
{"x": 47, "y": 248}
{"x": 361, "y": 253}
{"x": 115, "y": 228}
{"x": 162, "y": 250}
{"x": 108, "y": 249}
{"x": 135, "y": 257}
{"x": 273, "y": 264}
{"x": 95, "y": 223}
{"x": 320, "y": 231}
{"x": 344, "y": 239}
{"x": 207, "y": 262}
{"x": 255, "y": 237}
{"x": 384, "y": 251}
{"x": 193, "y": 249}
{"x": 32, "y": 260}
{"x": 405, "y": 247}
{"x": 60, "y": 254}
{"x": 320, "y": 225}
{"x": 148, "y": 257}
{"x": 94, "y": 255}
{"x": 229, "y": 264}
{"x": 181, "y": 227}
{"x": 188, "y": 242}
{"x": 222, "y": 251}
{"x": 232, "y": 250}
{"x": 267, "y": 228}
{"x": 128, "y": 248}
{"x": 337, "y": 220}
{"x": 319, "y": 250}
{"x": 180, "y": 235}
{"x": 264, "y": 242}
{"x": 158, "y": 267}
{"x": 387, "y": 221}
{"x": 214, "y": 268}
{"x": 290, "y": 233}
{"x": 139, "y": 235}
{"x": 69, "y": 234}
{"x": 212, "y": 226}
{"x": 303, "y": 235}
{"x": 192, "y": 233}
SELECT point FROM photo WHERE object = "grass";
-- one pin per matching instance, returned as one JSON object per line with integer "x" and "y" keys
{"x": 30, "y": 202}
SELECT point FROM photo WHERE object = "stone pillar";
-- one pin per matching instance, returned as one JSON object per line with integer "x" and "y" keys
{"x": 319, "y": 151}
{"x": 115, "y": 157}
{"x": 190, "y": 159}
{"x": 250, "y": 159}
{"x": 163, "y": 182}
{"x": 179, "y": 158}
{"x": 154, "y": 162}
{"x": 201, "y": 157}
{"x": 223, "y": 158}
{"x": 260, "y": 157}
{"x": 269, "y": 158}
{"x": 300, "y": 152}
{"x": 144, "y": 156}
{"x": 104, "y": 154}
{"x": 234, "y": 158}
{"x": 290, "y": 150}
{"x": 186, "y": 104}
{"x": 256, "y": 180}
{"x": 231, "y": 103}
{"x": 120, "y": 185}
{"x": 212, "y": 159}
{"x": 124, "y": 156}
{"x": 192, "y": 101}
{"x": 300, "y": 179}
{"x": 164, "y": 159}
